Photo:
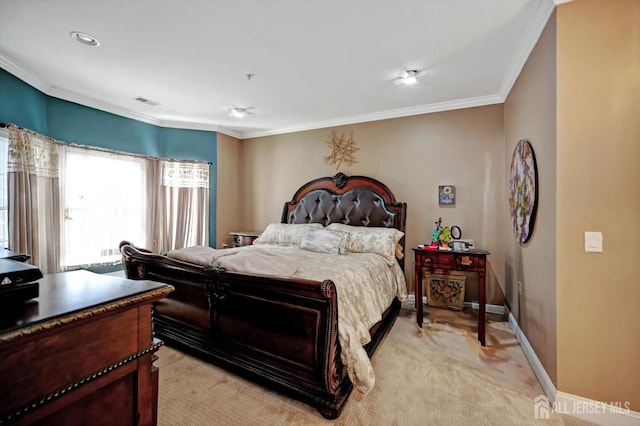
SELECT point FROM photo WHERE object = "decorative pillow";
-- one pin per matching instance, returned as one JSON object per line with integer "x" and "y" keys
{"x": 393, "y": 232}
{"x": 324, "y": 241}
{"x": 284, "y": 234}
{"x": 362, "y": 239}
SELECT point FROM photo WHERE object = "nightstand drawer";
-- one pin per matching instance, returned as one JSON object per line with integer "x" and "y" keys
{"x": 468, "y": 263}
{"x": 426, "y": 258}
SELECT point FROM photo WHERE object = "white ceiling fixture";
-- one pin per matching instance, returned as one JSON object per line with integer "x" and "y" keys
{"x": 238, "y": 112}
{"x": 409, "y": 78}
{"x": 84, "y": 38}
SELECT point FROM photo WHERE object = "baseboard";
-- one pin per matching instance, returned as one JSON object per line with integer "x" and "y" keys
{"x": 493, "y": 309}
{"x": 592, "y": 411}
{"x": 596, "y": 412}
{"x": 548, "y": 387}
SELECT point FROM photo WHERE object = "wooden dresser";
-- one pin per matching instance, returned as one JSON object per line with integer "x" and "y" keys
{"x": 81, "y": 353}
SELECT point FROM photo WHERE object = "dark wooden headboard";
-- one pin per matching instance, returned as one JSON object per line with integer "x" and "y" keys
{"x": 352, "y": 200}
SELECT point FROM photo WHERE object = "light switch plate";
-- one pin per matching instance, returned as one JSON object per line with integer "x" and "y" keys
{"x": 593, "y": 242}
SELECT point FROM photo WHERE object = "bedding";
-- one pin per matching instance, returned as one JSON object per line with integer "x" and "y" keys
{"x": 382, "y": 241}
{"x": 366, "y": 286}
{"x": 365, "y": 282}
{"x": 257, "y": 260}
{"x": 284, "y": 234}
{"x": 324, "y": 241}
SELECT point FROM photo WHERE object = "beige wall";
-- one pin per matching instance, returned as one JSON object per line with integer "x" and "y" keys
{"x": 412, "y": 155}
{"x": 530, "y": 113}
{"x": 229, "y": 189}
{"x": 577, "y": 101}
{"x": 598, "y": 45}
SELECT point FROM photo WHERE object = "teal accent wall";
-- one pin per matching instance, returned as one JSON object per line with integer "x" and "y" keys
{"x": 21, "y": 104}
{"x": 74, "y": 123}
{"x": 26, "y": 106}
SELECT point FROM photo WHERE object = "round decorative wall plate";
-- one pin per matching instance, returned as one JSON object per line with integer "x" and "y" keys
{"x": 523, "y": 191}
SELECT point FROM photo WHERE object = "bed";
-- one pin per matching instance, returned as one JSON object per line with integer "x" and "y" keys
{"x": 285, "y": 330}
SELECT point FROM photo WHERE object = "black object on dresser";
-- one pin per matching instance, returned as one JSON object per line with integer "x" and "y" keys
{"x": 18, "y": 280}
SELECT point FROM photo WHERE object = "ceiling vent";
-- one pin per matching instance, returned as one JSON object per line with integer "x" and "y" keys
{"x": 147, "y": 101}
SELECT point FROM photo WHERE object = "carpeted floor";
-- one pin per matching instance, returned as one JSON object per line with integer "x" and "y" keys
{"x": 437, "y": 375}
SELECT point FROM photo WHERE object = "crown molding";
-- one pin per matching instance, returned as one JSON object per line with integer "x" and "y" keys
{"x": 231, "y": 132}
{"x": 382, "y": 115}
{"x": 528, "y": 42}
{"x": 67, "y": 95}
{"x": 23, "y": 74}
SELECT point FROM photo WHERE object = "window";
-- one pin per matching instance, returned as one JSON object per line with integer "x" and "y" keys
{"x": 83, "y": 201}
{"x": 4, "y": 224}
{"x": 103, "y": 202}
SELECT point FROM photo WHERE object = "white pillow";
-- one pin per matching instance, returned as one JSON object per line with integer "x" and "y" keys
{"x": 324, "y": 241}
{"x": 284, "y": 234}
{"x": 378, "y": 240}
{"x": 392, "y": 232}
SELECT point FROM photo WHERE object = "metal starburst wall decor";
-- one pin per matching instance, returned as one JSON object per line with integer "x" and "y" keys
{"x": 342, "y": 149}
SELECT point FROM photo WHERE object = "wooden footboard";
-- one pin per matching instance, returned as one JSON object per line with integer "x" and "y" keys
{"x": 278, "y": 331}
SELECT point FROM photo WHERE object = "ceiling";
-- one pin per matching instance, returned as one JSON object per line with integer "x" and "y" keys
{"x": 314, "y": 63}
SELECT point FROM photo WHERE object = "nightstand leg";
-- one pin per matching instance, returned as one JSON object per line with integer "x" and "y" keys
{"x": 482, "y": 307}
{"x": 418, "y": 291}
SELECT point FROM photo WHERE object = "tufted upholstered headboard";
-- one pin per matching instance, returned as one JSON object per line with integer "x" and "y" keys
{"x": 352, "y": 200}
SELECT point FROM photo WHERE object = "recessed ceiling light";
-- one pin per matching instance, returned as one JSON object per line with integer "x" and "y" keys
{"x": 84, "y": 38}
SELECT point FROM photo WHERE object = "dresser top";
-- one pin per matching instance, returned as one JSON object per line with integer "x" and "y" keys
{"x": 74, "y": 293}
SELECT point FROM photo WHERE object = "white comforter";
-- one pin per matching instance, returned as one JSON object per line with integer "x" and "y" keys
{"x": 366, "y": 285}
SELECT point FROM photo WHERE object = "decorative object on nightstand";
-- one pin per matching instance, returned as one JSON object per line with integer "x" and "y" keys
{"x": 447, "y": 195}
{"x": 444, "y": 238}
{"x": 245, "y": 238}
{"x": 445, "y": 290}
{"x": 436, "y": 232}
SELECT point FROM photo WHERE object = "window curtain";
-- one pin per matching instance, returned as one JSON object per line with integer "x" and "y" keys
{"x": 184, "y": 197}
{"x": 155, "y": 211}
{"x": 34, "y": 198}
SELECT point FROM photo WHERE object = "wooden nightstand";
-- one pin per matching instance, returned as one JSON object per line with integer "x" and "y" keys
{"x": 239, "y": 239}
{"x": 474, "y": 260}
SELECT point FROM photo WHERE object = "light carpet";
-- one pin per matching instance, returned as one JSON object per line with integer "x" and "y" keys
{"x": 435, "y": 375}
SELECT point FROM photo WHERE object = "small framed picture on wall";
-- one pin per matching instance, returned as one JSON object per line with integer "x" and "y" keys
{"x": 447, "y": 195}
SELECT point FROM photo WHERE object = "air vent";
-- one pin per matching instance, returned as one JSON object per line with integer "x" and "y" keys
{"x": 147, "y": 101}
